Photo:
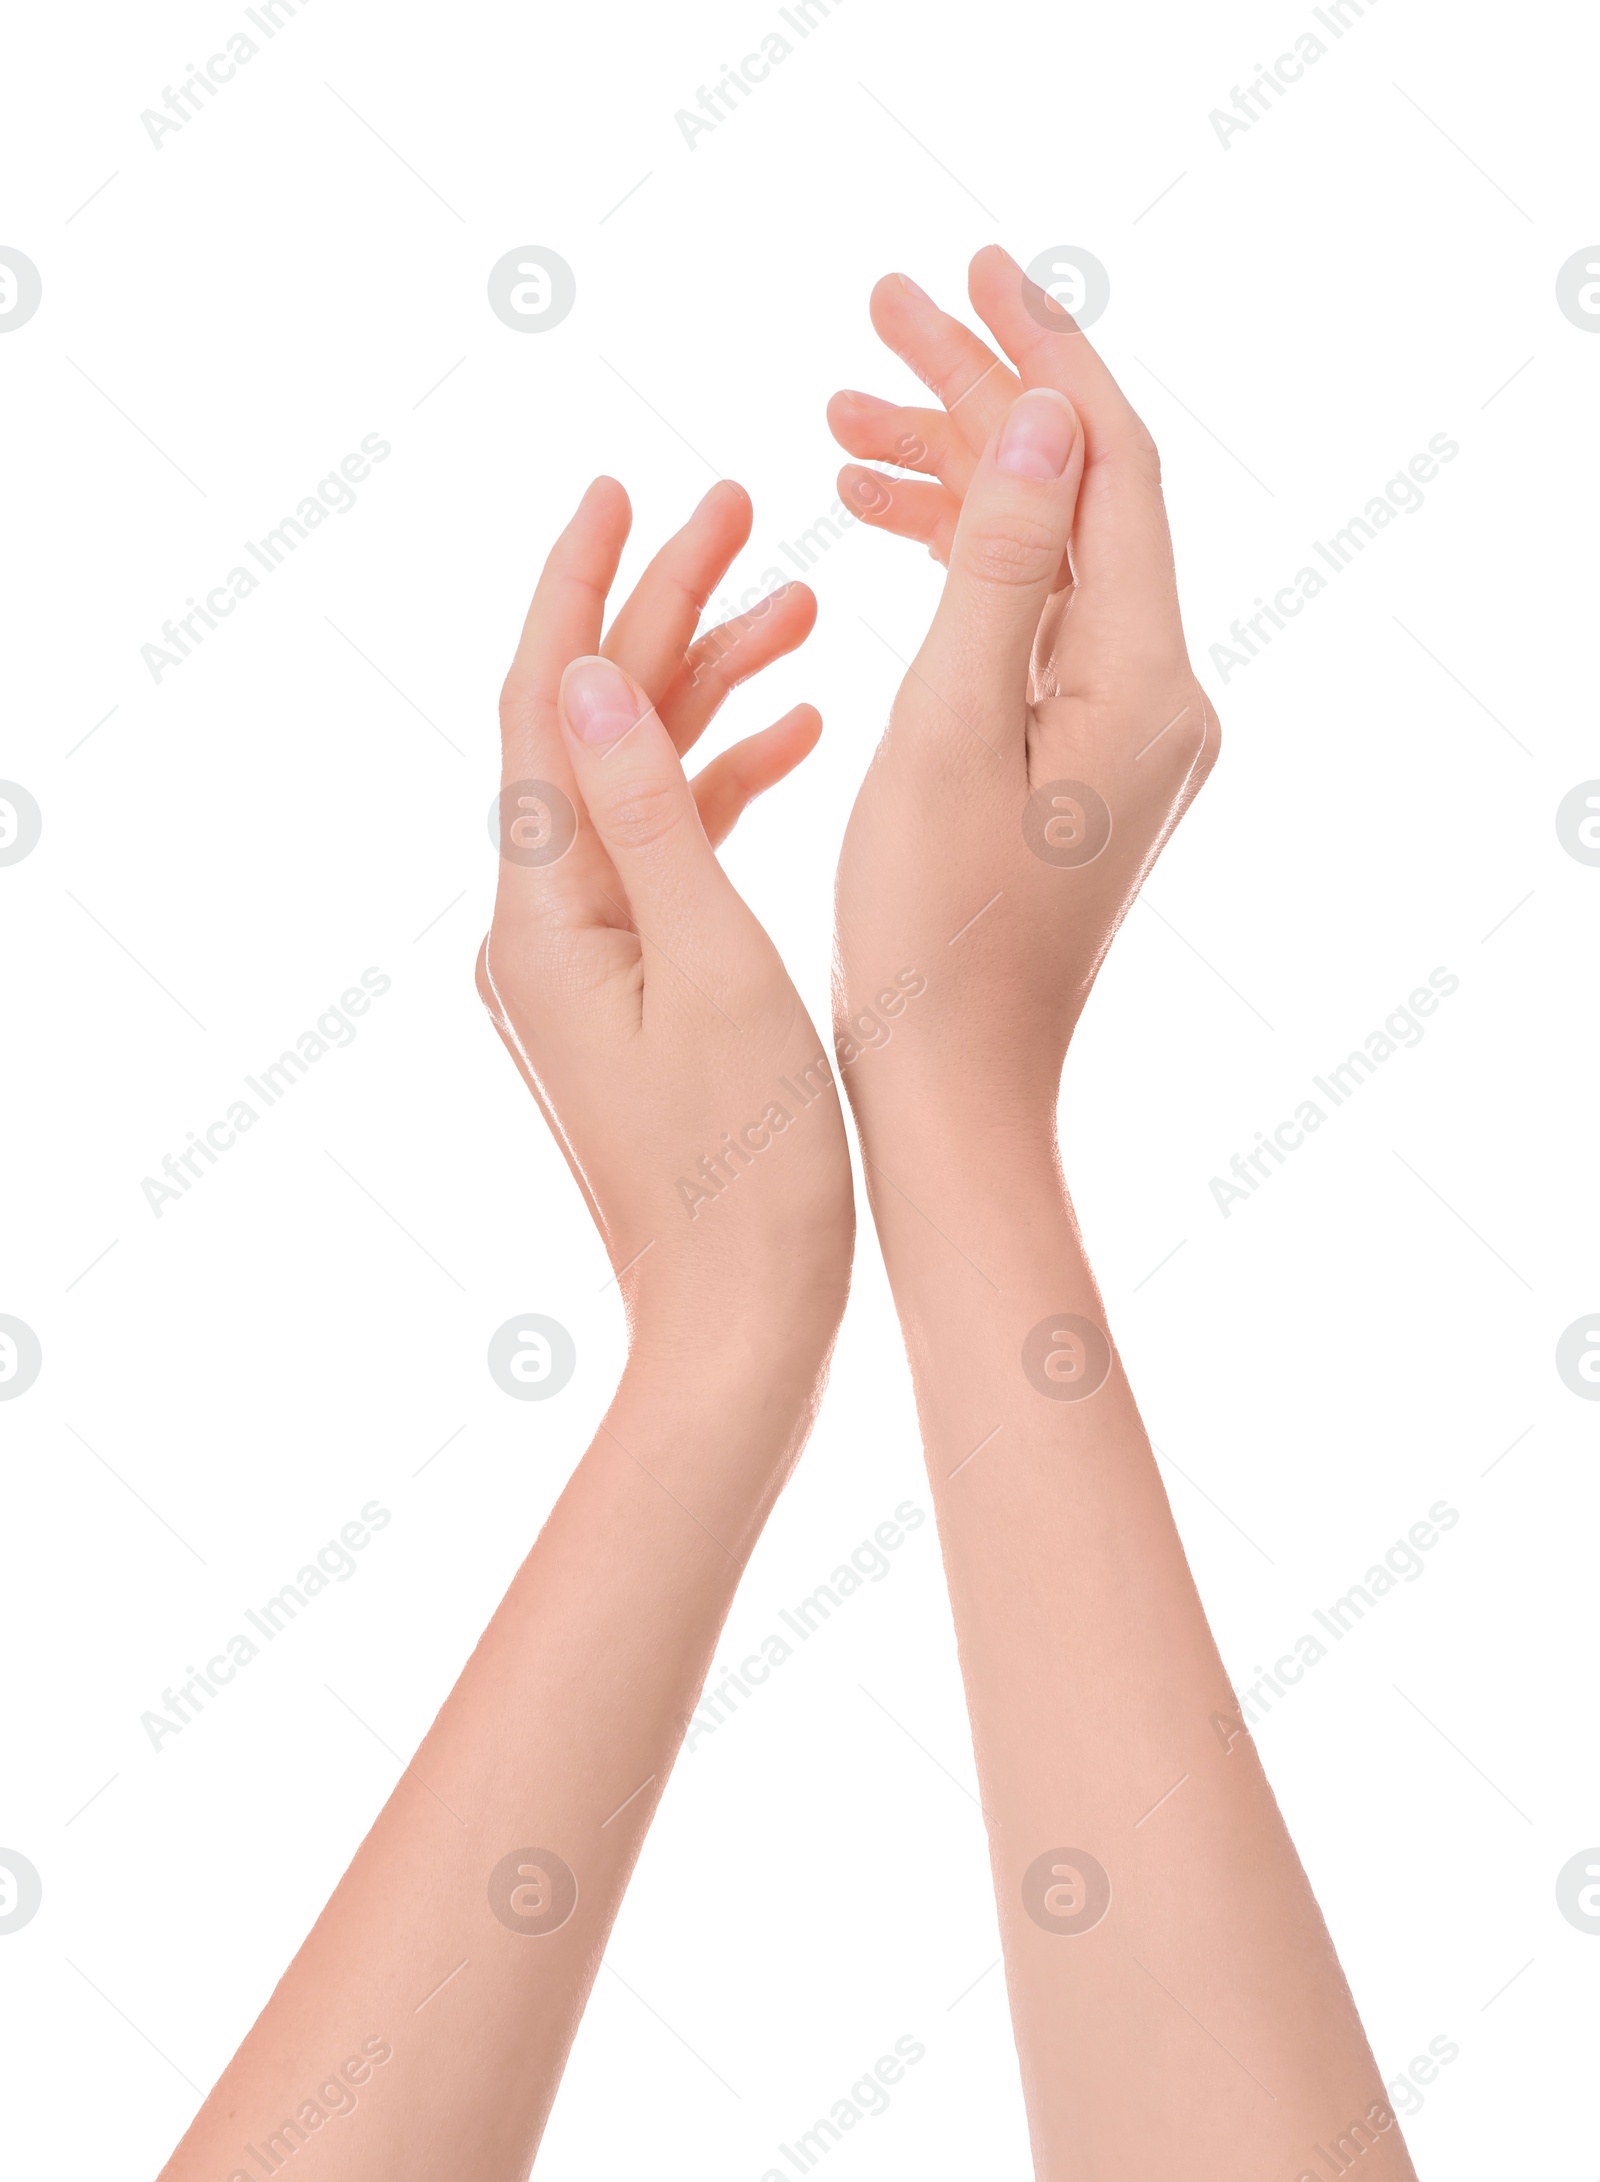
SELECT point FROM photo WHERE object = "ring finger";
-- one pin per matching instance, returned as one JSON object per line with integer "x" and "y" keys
{"x": 912, "y": 439}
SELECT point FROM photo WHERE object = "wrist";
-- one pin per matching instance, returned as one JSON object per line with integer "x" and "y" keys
{"x": 971, "y": 1215}
{"x": 717, "y": 1423}
{"x": 751, "y": 1328}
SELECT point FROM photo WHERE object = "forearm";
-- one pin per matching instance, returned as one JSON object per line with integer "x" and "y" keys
{"x": 1200, "y": 2023}
{"x": 558, "y": 1737}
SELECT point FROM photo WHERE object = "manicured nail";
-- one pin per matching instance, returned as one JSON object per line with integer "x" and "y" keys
{"x": 599, "y": 703}
{"x": 1037, "y": 437}
{"x": 912, "y": 289}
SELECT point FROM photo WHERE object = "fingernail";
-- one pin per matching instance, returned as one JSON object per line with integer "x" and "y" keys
{"x": 911, "y": 288}
{"x": 863, "y": 401}
{"x": 598, "y": 701}
{"x": 1038, "y": 436}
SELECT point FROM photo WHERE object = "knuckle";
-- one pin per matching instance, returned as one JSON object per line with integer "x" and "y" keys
{"x": 1012, "y": 549}
{"x": 518, "y": 701}
{"x": 1143, "y": 450}
{"x": 645, "y": 813}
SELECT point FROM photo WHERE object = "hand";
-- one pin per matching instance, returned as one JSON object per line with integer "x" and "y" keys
{"x": 1048, "y": 736}
{"x": 647, "y": 1009}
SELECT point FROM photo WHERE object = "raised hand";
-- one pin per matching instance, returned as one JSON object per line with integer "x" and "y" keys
{"x": 1176, "y": 2000}
{"x": 1050, "y": 732}
{"x": 690, "y": 1094}
{"x": 646, "y": 1007}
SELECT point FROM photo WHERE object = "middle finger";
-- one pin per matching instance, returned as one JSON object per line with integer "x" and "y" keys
{"x": 972, "y": 382}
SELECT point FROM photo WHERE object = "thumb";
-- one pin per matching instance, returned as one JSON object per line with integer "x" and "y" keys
{"x": 1010, "y": 544}
{"x": 639, "y": 802}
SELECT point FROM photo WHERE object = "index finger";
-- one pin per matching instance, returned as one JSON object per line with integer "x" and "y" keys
{"x": 1122, "y": 547}
{"x": 551, "y": 863}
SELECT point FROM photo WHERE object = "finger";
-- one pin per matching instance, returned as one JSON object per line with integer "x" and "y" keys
{"x": 904, "y": 505}
{"x": 965, "y": 373}
{"x": 564, "y": 619}
{"x": 657, "y": 622}
{"x": 912, "y": 439}
{"x": 919, "y": 439}
{"x": 1009, "y": 542}
{"x": 644, "y": 814}
{"x": 553, "y": 872}
{"x": 1122, "y": 545}
{"x": 733, "y": 781}
{"x": 1044, "y": 343}
{"x": 730, "y": 654}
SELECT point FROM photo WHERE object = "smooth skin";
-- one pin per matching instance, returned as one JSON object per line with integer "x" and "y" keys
{"x": 1200, "y": 2025}
{"x": 1196, "y": 2020}
{"x": 417, "y": 2034}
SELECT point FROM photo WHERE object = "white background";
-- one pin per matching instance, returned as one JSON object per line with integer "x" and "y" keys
{"x": 225, "y": 320}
